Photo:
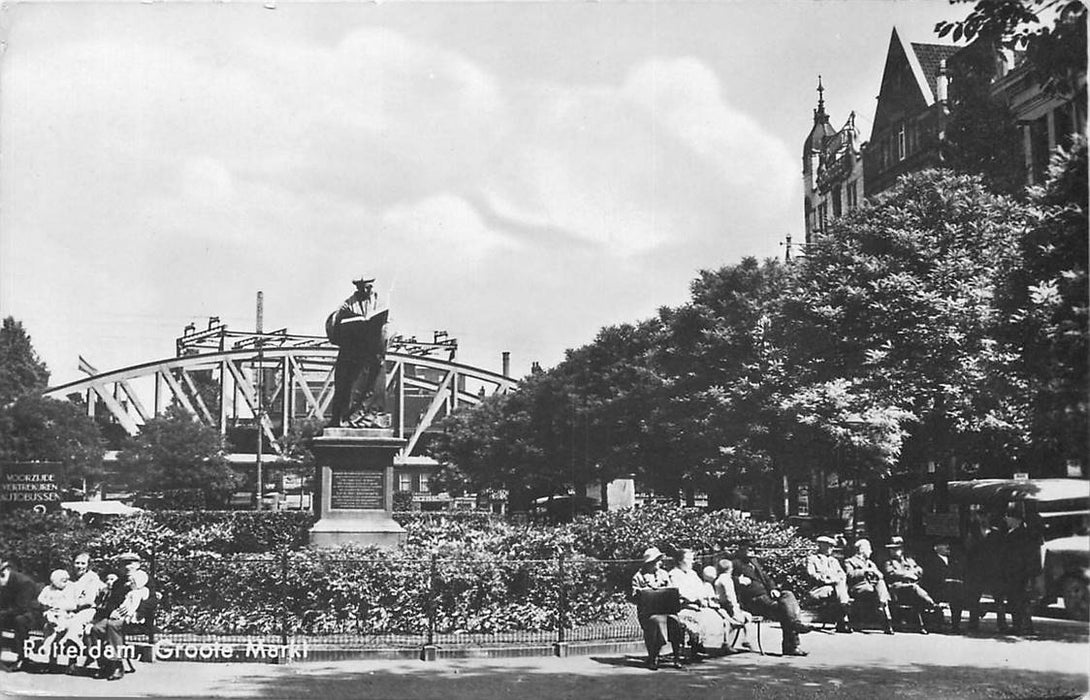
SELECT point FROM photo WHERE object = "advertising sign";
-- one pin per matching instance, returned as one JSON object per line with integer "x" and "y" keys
{"x": 29, "y": 485}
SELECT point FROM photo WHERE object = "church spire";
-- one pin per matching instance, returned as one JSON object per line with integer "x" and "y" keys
{"x": 820, "y": 117}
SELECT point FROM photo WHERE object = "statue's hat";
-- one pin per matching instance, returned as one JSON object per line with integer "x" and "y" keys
{"x": 363, "y": 280}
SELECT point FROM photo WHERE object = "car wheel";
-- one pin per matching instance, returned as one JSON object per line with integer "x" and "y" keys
{"x": 1076, "y": 598}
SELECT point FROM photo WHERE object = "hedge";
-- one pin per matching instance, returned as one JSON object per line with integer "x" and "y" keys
{"x": 223, "y": 572}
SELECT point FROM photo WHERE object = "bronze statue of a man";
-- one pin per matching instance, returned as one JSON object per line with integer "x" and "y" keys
{"x": 358, "y": 328}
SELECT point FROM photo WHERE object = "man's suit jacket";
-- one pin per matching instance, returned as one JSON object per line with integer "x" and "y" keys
{"x": 759, "y": 584}
{"x": 20, "y": 595}
{"x": 1021, "y": 554}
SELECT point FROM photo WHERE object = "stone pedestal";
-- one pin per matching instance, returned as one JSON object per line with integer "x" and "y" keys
{"x": 354, "y": 490}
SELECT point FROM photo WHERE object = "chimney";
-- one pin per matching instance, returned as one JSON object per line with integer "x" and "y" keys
{"x": 942, "y": 84}
{"x": 506, "y": 363}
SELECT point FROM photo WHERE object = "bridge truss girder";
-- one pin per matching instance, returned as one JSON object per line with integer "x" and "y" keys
{"x": 219, "y": 388}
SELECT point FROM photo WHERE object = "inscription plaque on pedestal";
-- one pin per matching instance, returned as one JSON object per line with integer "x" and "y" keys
{"x": 356, "y": 490}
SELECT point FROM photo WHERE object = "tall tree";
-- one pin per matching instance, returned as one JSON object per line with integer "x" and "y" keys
{"x": 493, "y": 446}
{"x": 1046, "y": 302}
{"x": 178, "y": 455}
{"x": 35, "y": 428}
{"x": 891, "y": 329}
{"x": 727, "y": 374}
{"x": 982, "y": 136}
{"x": 1056, "y": 51}
{"x": 21, "y": 371}
{"x": 589, "y": 419}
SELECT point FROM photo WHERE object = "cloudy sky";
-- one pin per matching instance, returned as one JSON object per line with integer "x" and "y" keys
{"x": 518, "y": 174}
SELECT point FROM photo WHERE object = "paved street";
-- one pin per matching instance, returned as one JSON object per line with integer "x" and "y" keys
{"x": 871, "y": 665}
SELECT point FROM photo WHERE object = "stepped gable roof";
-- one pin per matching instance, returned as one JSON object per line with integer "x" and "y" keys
{"x": 929, "y": 56}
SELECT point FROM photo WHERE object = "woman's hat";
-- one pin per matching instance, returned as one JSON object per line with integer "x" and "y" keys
{"x": 652, "y": 554}
{"x": 895, "y": 542}
{"x": 128, "y": 557}
{"x": 825, "y": 539}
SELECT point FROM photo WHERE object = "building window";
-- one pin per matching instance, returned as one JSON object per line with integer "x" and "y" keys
{"x": 901, "y": 142}
{"x": 850, "y": 192}
{"x": 425, "y": 487}
{"x": 837, "y": 210}
{"x": 404, "y": 482}
{"x": 802, "y": 500}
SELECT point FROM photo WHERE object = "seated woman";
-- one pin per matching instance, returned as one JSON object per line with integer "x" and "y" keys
{"x": 729, "y": 608}
{"x": 705, "y": 627}
{"x": 866, "y": 584}
{"x": 657, "y": 627}
{"x": 58, "y": 599}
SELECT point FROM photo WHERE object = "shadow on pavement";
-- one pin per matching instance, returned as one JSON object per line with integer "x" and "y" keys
{"x": 733, "y": 677}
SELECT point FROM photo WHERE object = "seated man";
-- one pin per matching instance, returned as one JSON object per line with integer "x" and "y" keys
{"x": 128, "y": 602}
{"x": 866, "y": 584}
{"x": 20, "y": 610}
{"x": 903, "y": 578}
{"x": 760, "y": 596}
{"x": 830, "y": 582}
{"x": 944, "y": 578}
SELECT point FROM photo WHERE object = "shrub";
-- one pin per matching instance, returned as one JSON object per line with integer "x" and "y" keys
{"x": 43, "y": 541}
{"x": 624, "y": 534}
{"x": 224, "y": 571}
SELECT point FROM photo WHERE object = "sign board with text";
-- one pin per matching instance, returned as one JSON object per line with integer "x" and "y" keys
{"x": 942, "y": 524}
{"x": 352, "y": 489}
{"x": 29, "y": 485}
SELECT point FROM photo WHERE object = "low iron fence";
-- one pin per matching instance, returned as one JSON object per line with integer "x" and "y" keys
{"x": 357, "y": 603}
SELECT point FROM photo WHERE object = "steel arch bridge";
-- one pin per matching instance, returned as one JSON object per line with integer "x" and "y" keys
{"x": 227, "y": 379}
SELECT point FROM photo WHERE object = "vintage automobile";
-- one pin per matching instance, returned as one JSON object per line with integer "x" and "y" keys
{"x": 1059, "y": 509}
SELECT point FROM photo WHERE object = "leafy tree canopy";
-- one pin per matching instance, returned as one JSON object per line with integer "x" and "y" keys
{"x": 1057, "y": 53}
{"x": 175, "y": 452}
{"x": 21, "y": 371}
{"x": 892, "y": 319}
{"x": 35, "y": 428}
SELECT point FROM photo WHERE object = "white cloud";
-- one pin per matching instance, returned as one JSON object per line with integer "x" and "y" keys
{"x": 685, "y": 97}
{"x": 445, "y": 227}
{"x": 175, "y": 175}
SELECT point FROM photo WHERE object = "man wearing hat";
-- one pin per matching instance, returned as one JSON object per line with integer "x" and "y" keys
{"x": 1021, "y": 562}
{"x": 866, "y": 583}
{"x": 760, "y": 596}
{"x": 358, "y": 327}
{"x": 657, "y": 626}
{"x": 105, "y": 628}
{"x": 830, "y": 582}
{"x": 903, "y": 578}
{"x": 944, "y": 579}
{"x": 20, "y": 610}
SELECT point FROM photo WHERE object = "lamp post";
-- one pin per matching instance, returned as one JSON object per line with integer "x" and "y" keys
{"x": 260, "y": 393}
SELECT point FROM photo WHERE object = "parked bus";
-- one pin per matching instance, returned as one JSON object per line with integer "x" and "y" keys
{"x": 1058, "y": 509}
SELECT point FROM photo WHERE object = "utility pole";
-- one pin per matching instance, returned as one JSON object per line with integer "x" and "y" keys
{"x": 260, "y": 393}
